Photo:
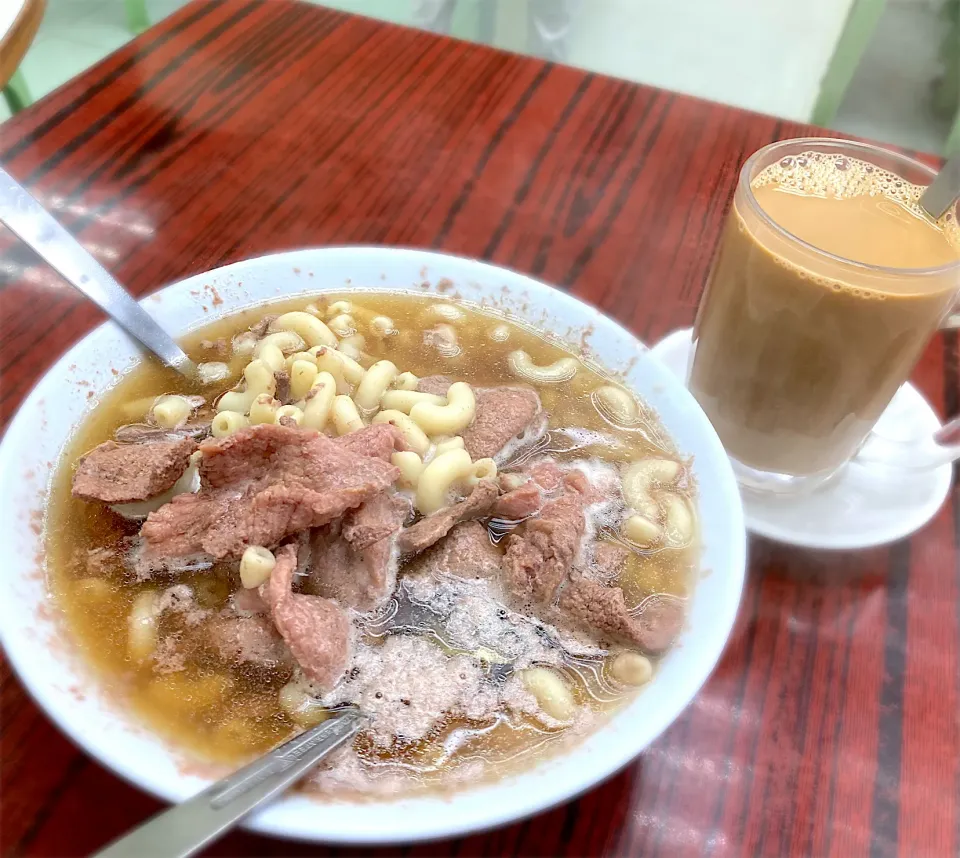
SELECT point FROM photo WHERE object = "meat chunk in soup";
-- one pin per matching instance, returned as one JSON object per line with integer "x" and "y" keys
{"x": 504, "y": 414}
{"x": 347, "y": 564}
{"x": 599, "y": 607}
{"x": 520, "y": 503}
{"x": 316, "y": 630}
{"x": 466, "y": 551}
{"x": 377, "y": 519}
{"x": 541, "y": 554}
{"x": 265, "y": 483}
{"x": 435, "y": 526}
{"x": 124, "y": 473}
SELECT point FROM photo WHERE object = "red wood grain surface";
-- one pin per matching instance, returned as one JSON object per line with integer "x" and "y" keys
{"x": 241, "y": 127}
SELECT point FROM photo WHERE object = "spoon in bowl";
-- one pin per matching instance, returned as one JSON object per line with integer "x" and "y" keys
{"x": 186, "y": 828}
{"x": 36, "y": 227}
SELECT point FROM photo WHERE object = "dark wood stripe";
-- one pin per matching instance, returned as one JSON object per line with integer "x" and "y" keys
{"x": 886, "y": 793}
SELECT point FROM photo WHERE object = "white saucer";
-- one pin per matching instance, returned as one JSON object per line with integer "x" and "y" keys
{"x": 867, "y": 503}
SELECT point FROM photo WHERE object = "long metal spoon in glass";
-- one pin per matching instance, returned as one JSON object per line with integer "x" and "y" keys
{"x": 35, "y": 226}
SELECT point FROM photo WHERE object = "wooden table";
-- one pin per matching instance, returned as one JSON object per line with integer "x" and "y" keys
{"x": 241, "y": 127}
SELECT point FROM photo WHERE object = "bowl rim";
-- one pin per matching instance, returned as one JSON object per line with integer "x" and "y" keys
{"x": 291, "y": 816}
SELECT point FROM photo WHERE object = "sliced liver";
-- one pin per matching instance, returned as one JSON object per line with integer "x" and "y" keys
{"x": 124, "y": 473}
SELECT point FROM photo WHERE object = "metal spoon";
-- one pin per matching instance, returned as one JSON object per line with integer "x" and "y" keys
{"x": 943, "y": 190}
{"x": 35, "y": 226}
{"x": 185, "y": 829}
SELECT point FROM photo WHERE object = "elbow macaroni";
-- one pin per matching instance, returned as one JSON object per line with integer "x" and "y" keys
{"x": 410, "y": 465}
{"x": 404, "y": 400}
{"x": 346, "y": 418}
{"x": 319, "y": 402}
{"x": 303, "y": 374}
{"x": 227, "y": 422}
{"x": 406, "y": 381}
{"x": 449, "y": 419}
{"x": 616, "y": 404}
{"x": 142, "y": 625}
{"x": 483, "y": 469}
{"x": 291, "y": 412}
{"x": 263, "y": 409}
{"x": 438, "y": 477}
{"x": 310, "y": 328}
{"x": 256, "y": 564}
{"x": 374, "y": 384}
{"x": 171, "y": 411}
{"x": 413, "y": 435}
{"x": 522, "y": 366}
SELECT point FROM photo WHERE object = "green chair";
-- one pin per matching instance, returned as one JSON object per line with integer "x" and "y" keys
{"x": 138, "y": 19}
{"x": 16, "y": 93}
{"x": 861, "y": 22}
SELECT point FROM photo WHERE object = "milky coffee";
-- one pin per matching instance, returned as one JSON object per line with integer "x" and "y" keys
{"x": 799, "y": 351}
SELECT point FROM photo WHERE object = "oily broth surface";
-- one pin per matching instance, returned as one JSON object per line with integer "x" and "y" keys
{"x": 231, "y": 715}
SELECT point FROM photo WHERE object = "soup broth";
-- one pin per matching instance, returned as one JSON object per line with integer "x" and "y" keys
{"x": 459, "y": 674}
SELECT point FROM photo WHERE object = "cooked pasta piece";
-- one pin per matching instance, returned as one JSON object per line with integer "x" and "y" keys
{"x": 483, "y": 469}
{"x": 310, "y": 328}
{"x": 319, "y": 402}
{"x": 291, "y": 412}
{"x": 413, "y": 435}
{"x": 343, "y": 325}
{"x": 171, "y": 411}
{"x": 449, "y": 419}
{"x": 438, "y": 477}
{"x": 263, "y": 409}
{"x": 256, "y": 564}
{"x": 227, "y": 422}
{"x": 445, "y": 445}
{"x": 616, "y": 404}
{"x": 410, "y": 465}
{"x": 404, "y": 400}
{"x": 375, "y": 382}
{"x": 303, "y": 373}
{"x": 382, "y": 326}
{"x": 551, "y": 691}
{"x": 142, "y": 625}
{"x": 346, "y": 418}
{"x": 522, "y": 366}
{"x": 406, "y": 381}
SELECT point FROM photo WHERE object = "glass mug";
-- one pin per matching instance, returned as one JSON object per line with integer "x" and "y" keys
{"x": 798, "y": 352}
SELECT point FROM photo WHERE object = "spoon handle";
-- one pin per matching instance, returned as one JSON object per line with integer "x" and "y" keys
{"x": 943, "y": 190}
{"x": 188, "y": 827}
{"x": 35, "y": 226}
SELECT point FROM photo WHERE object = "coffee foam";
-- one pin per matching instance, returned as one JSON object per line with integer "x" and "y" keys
{"x": 832, "y": 175}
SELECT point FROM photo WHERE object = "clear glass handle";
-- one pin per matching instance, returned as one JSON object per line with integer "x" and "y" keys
{"x": 912, "y": 451}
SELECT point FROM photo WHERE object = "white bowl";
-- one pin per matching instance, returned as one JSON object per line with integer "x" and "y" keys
{"x": 35, "y": 640}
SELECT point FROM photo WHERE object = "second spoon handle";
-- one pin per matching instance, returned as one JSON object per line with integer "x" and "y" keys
{"x": 35, "y": 226}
